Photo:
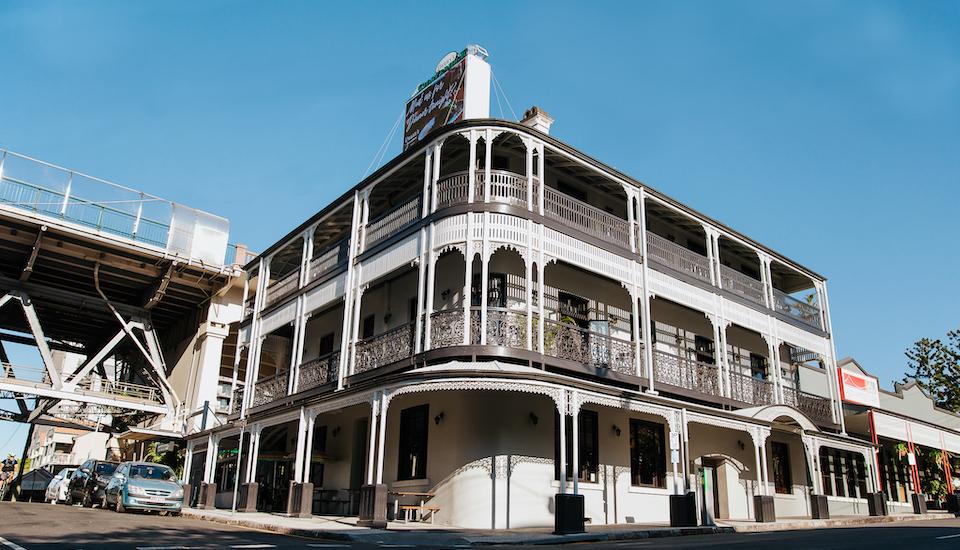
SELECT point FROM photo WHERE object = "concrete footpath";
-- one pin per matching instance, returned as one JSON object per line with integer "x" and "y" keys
{"x": 345, "y": 529}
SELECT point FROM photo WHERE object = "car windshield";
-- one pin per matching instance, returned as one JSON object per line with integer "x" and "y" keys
{"x": 105, "y": 468}
{"x": 145, "y": 471}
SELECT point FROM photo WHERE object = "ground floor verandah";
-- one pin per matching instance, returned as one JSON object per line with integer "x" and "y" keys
{"x": 494, "y": 449}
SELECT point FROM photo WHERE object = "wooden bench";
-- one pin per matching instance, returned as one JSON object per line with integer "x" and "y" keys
{"x": 418, "y": 509}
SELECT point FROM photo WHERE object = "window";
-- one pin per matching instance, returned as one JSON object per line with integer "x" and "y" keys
{"x": 588, "y": 460}
{"x": 574, "y": 307}
{"x": 412, "y": 459}
{"x": 782, "y": 478}
{"x": 758, "y": 366}
{"x": 326, "y": 344}
{"x": 704, "y": 348}
{"x": 847, "y": 471}
{"x": 861, "y": 471}
{"x": 368, "y": 326}
{"x": 319, "y": 453}
{"x": 496, "y": 290}
{"x": 648, "y": 463}
{"x": 825, "y": 472}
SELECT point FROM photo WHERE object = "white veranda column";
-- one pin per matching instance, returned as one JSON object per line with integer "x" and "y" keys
{"x": 562, "y": 415}
{"x": 382, "y": 436}
{"x": 528, "y": 298}
{"x": 420, "y": 339}
{"x": 308, "y": 456}
{"x": 301, "y": 446}
{"x": 484, "y": 276}
{"x": 372, "y": 439}
{"x": 431, "y": 276}
{"x": 576, "y": 446}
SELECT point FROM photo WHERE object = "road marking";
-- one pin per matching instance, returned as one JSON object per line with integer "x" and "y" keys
{"x": 397, "y": 546}
{"x": 949, "y": 536}
{"x": 9, "y": 544}
{"x": 254, "y": 546}
{"x": 327, "y": 545}
{"x": 166, "y": 547}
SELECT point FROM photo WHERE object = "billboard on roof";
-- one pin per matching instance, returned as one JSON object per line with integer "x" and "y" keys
{"x": 438, "y": 101}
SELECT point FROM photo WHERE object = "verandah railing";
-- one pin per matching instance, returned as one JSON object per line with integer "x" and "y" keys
{"x": 677, "y": 257}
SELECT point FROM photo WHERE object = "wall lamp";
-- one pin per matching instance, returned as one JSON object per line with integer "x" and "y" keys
{"x": 616, "y": 430}
{"x": 438, "y": 418}
{"x": 534, "y": 419}
{"x": 740, "y": 444}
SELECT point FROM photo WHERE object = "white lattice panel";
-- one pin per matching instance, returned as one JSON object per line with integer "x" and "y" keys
{"x": 402, "y": 253}
{"x": 278, "y": 318}
{"x": 587, "y": 256}
{"x": 325, "y": 293}
{"x": 797, "y": 336}
{"x": 745, "y": 316}
{"x": 507, "y": 229}
{"x": 665, "y": 286}
{"x": 449, "y": 231}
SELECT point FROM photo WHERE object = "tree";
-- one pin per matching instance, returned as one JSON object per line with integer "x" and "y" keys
{"x": 935, "y": 366}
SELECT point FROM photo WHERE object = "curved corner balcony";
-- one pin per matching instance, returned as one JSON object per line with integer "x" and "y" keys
{"x": 516, "y": 190}
{"x": 564, "y": 344}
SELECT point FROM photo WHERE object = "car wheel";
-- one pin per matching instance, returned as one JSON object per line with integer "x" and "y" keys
{"x": 87, "y": 501}
{"x": 103, "y": 501}
{"x": 119, "y": 506}
{"x": 69, "y": 500}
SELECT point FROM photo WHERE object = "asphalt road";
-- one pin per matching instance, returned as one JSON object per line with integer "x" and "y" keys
{"x": 35, "y": 526}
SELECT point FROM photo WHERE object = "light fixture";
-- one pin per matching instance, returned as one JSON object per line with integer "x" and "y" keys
{"x": 534, "y": 419}
{"x": 438, "y": 418}
{"x": 740, "y": 444}
{"x": 616, "y": 430}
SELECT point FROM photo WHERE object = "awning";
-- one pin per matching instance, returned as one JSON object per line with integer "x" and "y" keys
{"x": 147, "y": 434}
{"x": 902, "y": 429}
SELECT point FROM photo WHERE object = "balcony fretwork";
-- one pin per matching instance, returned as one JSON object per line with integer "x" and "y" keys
{"x": 677, "y": 257}
{"x": 686, "y": 373}
{"x": 392, "y": 222}
{"x": 384, "y": 349}
{"x": 318, "y": 372}
{"x": 814, "y": 406}
{"x": 270, "y": 389}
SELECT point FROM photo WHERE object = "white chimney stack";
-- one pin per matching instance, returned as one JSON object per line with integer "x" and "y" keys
{"x": 538, "y": 119}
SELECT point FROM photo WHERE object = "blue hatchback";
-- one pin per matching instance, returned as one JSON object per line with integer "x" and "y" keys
{"x": 144, "y": 486}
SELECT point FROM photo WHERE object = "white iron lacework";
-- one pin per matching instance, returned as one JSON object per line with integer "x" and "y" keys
{"x": 672, "y": 416}
{"x": 553, "y": 392}
{"x": 751, "y": 429}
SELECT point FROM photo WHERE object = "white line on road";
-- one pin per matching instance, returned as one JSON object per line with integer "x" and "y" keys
{"x": 327, "y": 545}
{"x": 166, "y": 547}
{"x": 254, "y": 546}
{"x": 949, "y": 536}
{"x": 9, "y": 544}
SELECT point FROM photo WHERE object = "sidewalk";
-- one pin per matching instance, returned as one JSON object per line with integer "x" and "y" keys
{"x": 346, "y": 529}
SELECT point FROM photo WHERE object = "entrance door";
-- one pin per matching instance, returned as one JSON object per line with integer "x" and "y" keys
{"x": 710, "y": 498}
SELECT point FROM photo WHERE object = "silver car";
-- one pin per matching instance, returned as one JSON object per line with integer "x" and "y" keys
{"x": 143, "y": 486}
{"x": 57, "y": 488}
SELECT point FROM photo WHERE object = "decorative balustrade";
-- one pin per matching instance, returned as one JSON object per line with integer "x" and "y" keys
{"x": 677, "y": 257}
{"x": 446, "y": 328}
{"x": 686, "y": 373}
{"x": 383, "y": 349}
{"x": 283, "y": 286}
{"x": 318, "y": 372}
{"x": 506, "y": 328}
{"x": 805, "y": 313}
{"x": 270, "y": 389}
{"x": 570, "y": 342}
{"x": 817, "y": 408}
{"x": 748, "y": 389}
{"x": 453, "y": 189}
{"x": 392, "y": 222}
{"x": 328, "y": 260}
{"x": 237, "y": 401}
{"x": 505, "y": 187}
{"x": 744, "y": 285}
{"x": 589, "y": 219}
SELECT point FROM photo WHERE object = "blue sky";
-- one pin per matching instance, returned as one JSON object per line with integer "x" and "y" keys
{"x": 829, "y": 131}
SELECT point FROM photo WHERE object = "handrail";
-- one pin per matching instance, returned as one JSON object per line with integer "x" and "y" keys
{"x": 393, "y": 221}
{"x": 677, "y": 257}
{"x": 751, "y": 390}
{"x": 684, "y": 372}
{"x": 568, "y": 341}
{"x": 805, "y": 313}
{"x": 384, "y": 348}
{"x": 270, "y": 389}
{"x": 814, "y": 406}
{"x": 585, "y": 217}
{"x": 282, "y": 286}
{"x": 318, "y": 371}
{"x": 62, "y": 193}
{"x": 742, "y": 284}
{"x": 328, "y": 260}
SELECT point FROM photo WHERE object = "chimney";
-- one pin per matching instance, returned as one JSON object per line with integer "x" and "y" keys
{"x": 538, "y": 119}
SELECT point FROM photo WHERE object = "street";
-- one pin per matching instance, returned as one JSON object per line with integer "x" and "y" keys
{"x": 35, "y": 526}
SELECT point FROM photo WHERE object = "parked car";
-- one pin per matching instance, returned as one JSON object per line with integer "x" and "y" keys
{"x": 144, "y": 486}
{"x": 57, "y": 488}
{"x": 88, "y": 481}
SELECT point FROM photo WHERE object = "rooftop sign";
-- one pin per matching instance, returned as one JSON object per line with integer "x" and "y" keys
{"x": 459, "y": 89}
